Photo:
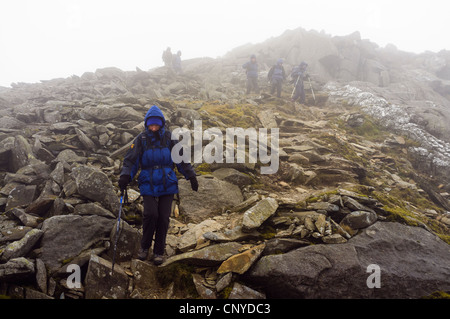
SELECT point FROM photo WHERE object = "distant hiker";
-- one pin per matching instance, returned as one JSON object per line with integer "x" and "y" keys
{"x": 176, "y": 63}
{"x": 276, "y": 77}
{"x": 251, "y": 68}
{"x": 298, "y": 74}
{"x": 151, "y": 153}
{"x": 167, "y": 57}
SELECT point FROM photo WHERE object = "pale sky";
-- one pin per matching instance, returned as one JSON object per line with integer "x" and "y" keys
{"x": 46, "y": 39}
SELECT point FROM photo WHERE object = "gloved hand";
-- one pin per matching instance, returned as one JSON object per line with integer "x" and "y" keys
{"x": 194, "y": 183}
{"x": 124, "y": 180}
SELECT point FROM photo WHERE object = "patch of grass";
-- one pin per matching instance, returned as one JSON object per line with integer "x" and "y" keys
{"x": 395, "y": 204}
{"x": 181, "y": 275}
{"x": 369, "y": 129}
{"x": 239, "y": 115}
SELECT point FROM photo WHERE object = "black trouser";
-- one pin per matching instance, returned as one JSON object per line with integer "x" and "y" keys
{"x": 276, "y": 85}
{"x": 156, "y": 222}
{"x": 299, "y": 93}
{"x": 252, "y": 83}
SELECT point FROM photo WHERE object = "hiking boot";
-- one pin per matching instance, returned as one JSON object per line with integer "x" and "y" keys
{"x": 142, "y": 254}
{"x": 158, "y": 259}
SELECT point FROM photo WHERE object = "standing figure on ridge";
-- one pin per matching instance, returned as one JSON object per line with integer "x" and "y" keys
{"x": 167, "y": 57}
{"x": 276, "y": 77}
{"x": 298, "y": 74}
{"x": 176, "y": 63}
{"x": 251, "y": 68}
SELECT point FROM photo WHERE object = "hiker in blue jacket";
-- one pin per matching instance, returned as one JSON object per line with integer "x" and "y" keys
{"x": 298, "y": 74}
{"x": 276, "y": 77}
{"x": 151, "y": 153}
{"x": 251, "y": 68}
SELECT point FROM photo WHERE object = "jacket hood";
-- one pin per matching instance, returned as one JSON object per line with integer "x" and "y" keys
{"x": 155, "y": 111}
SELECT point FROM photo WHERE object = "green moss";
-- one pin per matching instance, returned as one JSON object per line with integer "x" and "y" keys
{"x": 181, "y": 275}
{"x": 438, "y": 295}
{"x": 203, "y": 169}
{"x": 399, "y": 212}
{"x": 225, "y": 293}
{"x": 267, "y": 231}
{"x": 239, "y": 115}
{"x": 369, "y": 129}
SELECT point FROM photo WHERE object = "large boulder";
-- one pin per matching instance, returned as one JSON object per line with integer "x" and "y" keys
{"x": 96, "y": 186}
{"x": 412, "y": 261}
{"x": 213, "y": 196}
{"x": 101, "y": 282}
{"x": 66, "y": 236}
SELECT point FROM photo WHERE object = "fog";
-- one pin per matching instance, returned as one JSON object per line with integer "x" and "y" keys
{"x": 46, "y": 39}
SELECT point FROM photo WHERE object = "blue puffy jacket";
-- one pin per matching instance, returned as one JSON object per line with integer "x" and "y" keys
{"x": 151, "y": 152}
{"x": 252, "y": 68}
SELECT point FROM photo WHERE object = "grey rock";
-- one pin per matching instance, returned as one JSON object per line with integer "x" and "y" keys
{"x": 22, "y": 153}
{"x": 190, "y": 238}
{"x": 359, "y": 219}
{"x": 41, "y": 276}
{"x": 235, "y": 234}
{"x": 26, "y": 219}
{"x": 218, "y": 194}
{"x": 95, "y": 185}
{"x": 241, "y": 291}
{"x": 283, "y": 245}
{"x": 21, "y": 247}
{"x": 128, "y": 242}
{"x": 223, "y": 282}
{"x": 233, "y": 176}
{"x": 101, "y": 283}
{"x": 334, "y": 239}
{"x": 13, "y": 233}
{"x": 203, "y": 291}
{"x": 212, "y": 255}
{"x": 17, "y": 268}
{"x": 354, "y": 205}
{"x": 21, "y": 195}
{"x": 69, "y": 157}
{"x": 66, "y": 236}
{"x": 85, "y": 140}
{"x": 255, "y": 216}
{"x": 413, "y": 263}
{"x": 92, "y": 209}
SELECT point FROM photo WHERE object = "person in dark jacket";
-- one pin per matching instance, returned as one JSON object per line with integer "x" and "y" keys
{"x": 276, "y": 77}
{"x": 298, "y": 74}
{"x": 251, "y": 68}
{"x": 151, "y": 153}
{"x": 176, "y": 63}
{"x": 167, "y": 57}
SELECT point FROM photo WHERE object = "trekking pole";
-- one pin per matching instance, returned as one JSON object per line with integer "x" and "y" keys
{"x": 310, "y": 85}
{"x": 295, "y": 86}
{"x": 117, "y": 229}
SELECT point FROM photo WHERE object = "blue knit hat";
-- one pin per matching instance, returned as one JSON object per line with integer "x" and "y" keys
{"x": 154, "y": 120}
